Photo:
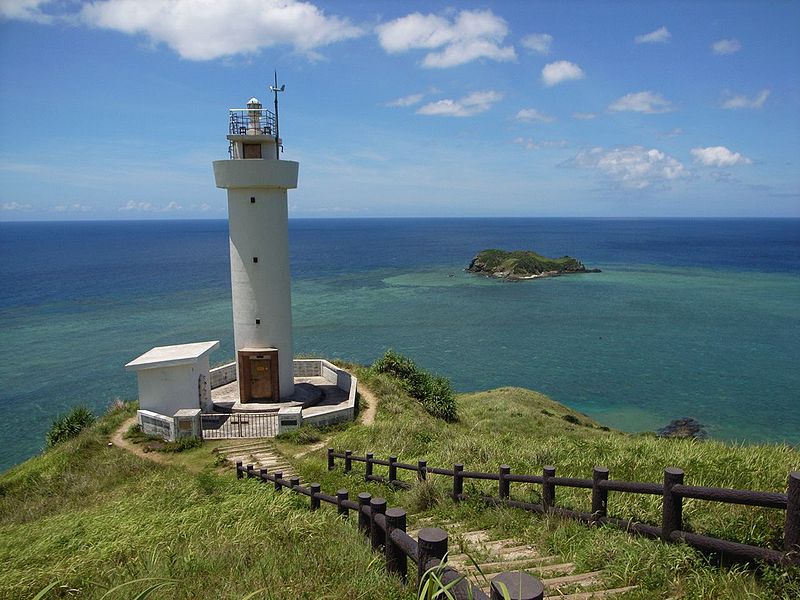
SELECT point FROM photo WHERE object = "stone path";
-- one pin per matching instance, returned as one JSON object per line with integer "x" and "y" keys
{"x": 560, "y": 578}
{"x": 259, "y": 453}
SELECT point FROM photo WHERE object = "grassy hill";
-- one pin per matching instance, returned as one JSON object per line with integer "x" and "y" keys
{"x": 521, "y": 263}
{"x": 92, "y": 517}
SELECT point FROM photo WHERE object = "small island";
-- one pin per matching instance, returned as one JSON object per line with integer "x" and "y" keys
{"x": 523, "y": 264}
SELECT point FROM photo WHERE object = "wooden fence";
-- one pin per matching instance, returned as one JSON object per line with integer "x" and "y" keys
{"x": 386, "y": 529}
{"x": 672, "y": 492}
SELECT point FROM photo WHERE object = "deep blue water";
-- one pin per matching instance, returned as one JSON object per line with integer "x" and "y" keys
{"x": 689, "y": 317}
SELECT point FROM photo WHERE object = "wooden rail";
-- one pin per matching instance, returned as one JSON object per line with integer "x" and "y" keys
{"x": 672, "y": 491}
{"x": 386, "y": 529}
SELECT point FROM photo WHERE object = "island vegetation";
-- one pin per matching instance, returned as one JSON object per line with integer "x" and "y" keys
{"x": 523, "y": 264}
{"x": 88, "y": 517}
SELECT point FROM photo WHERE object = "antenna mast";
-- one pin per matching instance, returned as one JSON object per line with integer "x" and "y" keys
{"x": 275, "y": 89}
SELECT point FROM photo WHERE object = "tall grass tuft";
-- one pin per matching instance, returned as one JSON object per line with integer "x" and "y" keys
{"x": 69, "y": 425}
{"x": 433, "y": 391}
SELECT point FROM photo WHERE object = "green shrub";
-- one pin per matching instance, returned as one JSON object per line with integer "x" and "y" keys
{"x": 69, "y": 425}
{"x": 433, "y": 391}
{"x": 181, "y": 444}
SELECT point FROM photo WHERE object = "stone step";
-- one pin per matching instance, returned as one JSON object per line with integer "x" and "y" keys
{"x": 595, "y": 595}
{"x": 462, "y": 561}
{"x": 243, "y": 446}
{"x": 535, "y": 565}
{"x": 583, "y": 578}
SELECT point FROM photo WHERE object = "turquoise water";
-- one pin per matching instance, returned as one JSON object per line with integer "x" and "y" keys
{"x": 687, "y": 318}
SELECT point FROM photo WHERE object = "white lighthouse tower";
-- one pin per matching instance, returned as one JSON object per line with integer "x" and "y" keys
{"x": 257, "y": 180}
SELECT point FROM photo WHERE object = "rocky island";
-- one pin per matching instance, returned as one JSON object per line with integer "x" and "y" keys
{"x": 523, "y": 264}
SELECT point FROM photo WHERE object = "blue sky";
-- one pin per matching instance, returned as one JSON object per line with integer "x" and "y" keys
{"x": 115, "y": 109}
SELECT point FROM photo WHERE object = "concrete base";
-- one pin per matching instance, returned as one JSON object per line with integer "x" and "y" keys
{"x": 308, "y": 391}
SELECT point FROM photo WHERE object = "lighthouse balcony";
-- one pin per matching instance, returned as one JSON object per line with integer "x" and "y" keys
{"x": 251, "y": 121}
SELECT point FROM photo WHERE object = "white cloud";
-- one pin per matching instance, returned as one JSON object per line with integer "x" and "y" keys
{"x": 634, "y": 167}
{"x": 531, "y": 114}
{"x": 472, "y": 104}
{"x": 741, "y": 101}
{"x": 659, "y": 36}
{"x": 559, "y": 71}
{"x": 137, "y": 206}
{"x": 76, "y": 207}
{"x": 530, "y": 144}
{"x": 203, "y": 30}
{"x": 25, "y": 10}
{"x": 643, "y": 102}
{"x": 728, "y": 46}
{"x": 471, "y": 35}
{"x": 172, "y": 206}
{"x": 538, "y": 42}
{"x": 583, "y": 116}
{"x": 718, "y": 156}
{"x": 404, "y": 101}
{"x": 15, "y": 206}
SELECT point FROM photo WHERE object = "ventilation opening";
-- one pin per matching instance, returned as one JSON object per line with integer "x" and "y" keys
{"x": 252, "y": 199}
{"x": 255, "y": 259}
{"x": 258, "y": 321}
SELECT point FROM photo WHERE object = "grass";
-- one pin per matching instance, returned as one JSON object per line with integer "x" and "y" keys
{"x": 523, "y": 262}
{"x": 91, "y": 517}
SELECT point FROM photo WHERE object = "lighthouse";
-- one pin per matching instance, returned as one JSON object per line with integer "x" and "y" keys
{"x": 257, "y": 181}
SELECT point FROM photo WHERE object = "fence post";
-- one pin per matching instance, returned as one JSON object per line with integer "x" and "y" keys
{"x": 672, "y": 505}
{"x": 504, "y": 485}
{"x": 294, "y": 481}
{"x": 331, "y": 460}
{"x": 250, "y": 472}
{"x": 518, "y": 584}
{"x": 368, "y": 466}
{"x": 278, "y": 476}
{"x": 363, "y": 518}
{"x": 239, "y": 473}
{"x": 431, "y": 543}
{"x": 548, "y": 488}
{"x": 422, "y": 470}
{"x": 341, "y": 495}
{"x": 458, "y": 481}
{"x": 392, "y": 469}
{"x": 263, "y": 475}
{"x": 395, "y": 557}
{"x": 599, "y": 495}
{"x": 376, "y": 535}
{"x": 315, "y": 489}
{"x": 791, "y": 532}
{"x": 348, "y": 462}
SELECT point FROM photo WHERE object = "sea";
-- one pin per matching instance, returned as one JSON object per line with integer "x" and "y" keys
{"x": 689, "y": 317}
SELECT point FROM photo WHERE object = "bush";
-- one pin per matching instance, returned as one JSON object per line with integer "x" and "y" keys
{"x": 433, "y": 391}
{"x": 69, "y": 425}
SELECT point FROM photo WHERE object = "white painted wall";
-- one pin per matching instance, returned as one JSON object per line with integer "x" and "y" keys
{"x": 166, "y": 390}
{"x": 260, "y": 229}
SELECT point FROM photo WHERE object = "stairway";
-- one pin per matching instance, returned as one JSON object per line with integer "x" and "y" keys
{"x": 561, "y": 579}
{"x": 259, "y": 453}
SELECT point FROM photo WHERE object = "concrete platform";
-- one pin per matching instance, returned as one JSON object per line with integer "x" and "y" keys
{"x": 308, "y": 391}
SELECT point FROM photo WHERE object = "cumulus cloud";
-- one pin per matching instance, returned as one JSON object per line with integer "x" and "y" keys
{"x": 741, "y": 101}
{"x": 659, "y": 36}
{"x": 538, "y": 42}
{"x": 531, "y": 114}
{"x": 25, "y": 10}
{"x": 471, "y": 35}
{"x": 583, "y": 116}
{"x": 728, "y": 46}
{"x": 718, "y": 156}
{"x": 132, "y": 205}
{"x": 469, "y": 105}
{"x": 11, "y": 206}
{"x": 202, "y": 30}
{"x": 404, "y": 101}
{"x": 560, "y": 71}
{"x": 634, "y": 167}
{"x": 643, "y": 102}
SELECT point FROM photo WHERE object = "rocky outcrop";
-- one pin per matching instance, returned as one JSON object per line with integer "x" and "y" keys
{"x": 683, "y": 428}
{"x": 524, "y": 264}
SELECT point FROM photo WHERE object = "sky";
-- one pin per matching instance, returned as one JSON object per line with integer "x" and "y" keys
{"x": 115, "y": 109}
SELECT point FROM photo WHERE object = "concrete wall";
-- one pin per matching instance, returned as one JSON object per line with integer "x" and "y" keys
{"x": 219, "y": 376}
{"x": 307, "y": 367}
{"x": 153, "y": 423}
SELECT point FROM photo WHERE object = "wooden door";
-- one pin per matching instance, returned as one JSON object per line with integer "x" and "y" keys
{"x": 261, "y": 377}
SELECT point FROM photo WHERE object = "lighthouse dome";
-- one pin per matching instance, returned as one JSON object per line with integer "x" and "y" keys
{"x": 253, "y": 101}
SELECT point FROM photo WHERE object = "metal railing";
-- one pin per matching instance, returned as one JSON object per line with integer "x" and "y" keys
{"x": 672, "y": 492}
{"x": 225, "y": 426}
{"x": 251, "y": 121}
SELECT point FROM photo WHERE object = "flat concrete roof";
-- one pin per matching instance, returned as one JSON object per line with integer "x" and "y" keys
{"x": 172, "y": 356}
